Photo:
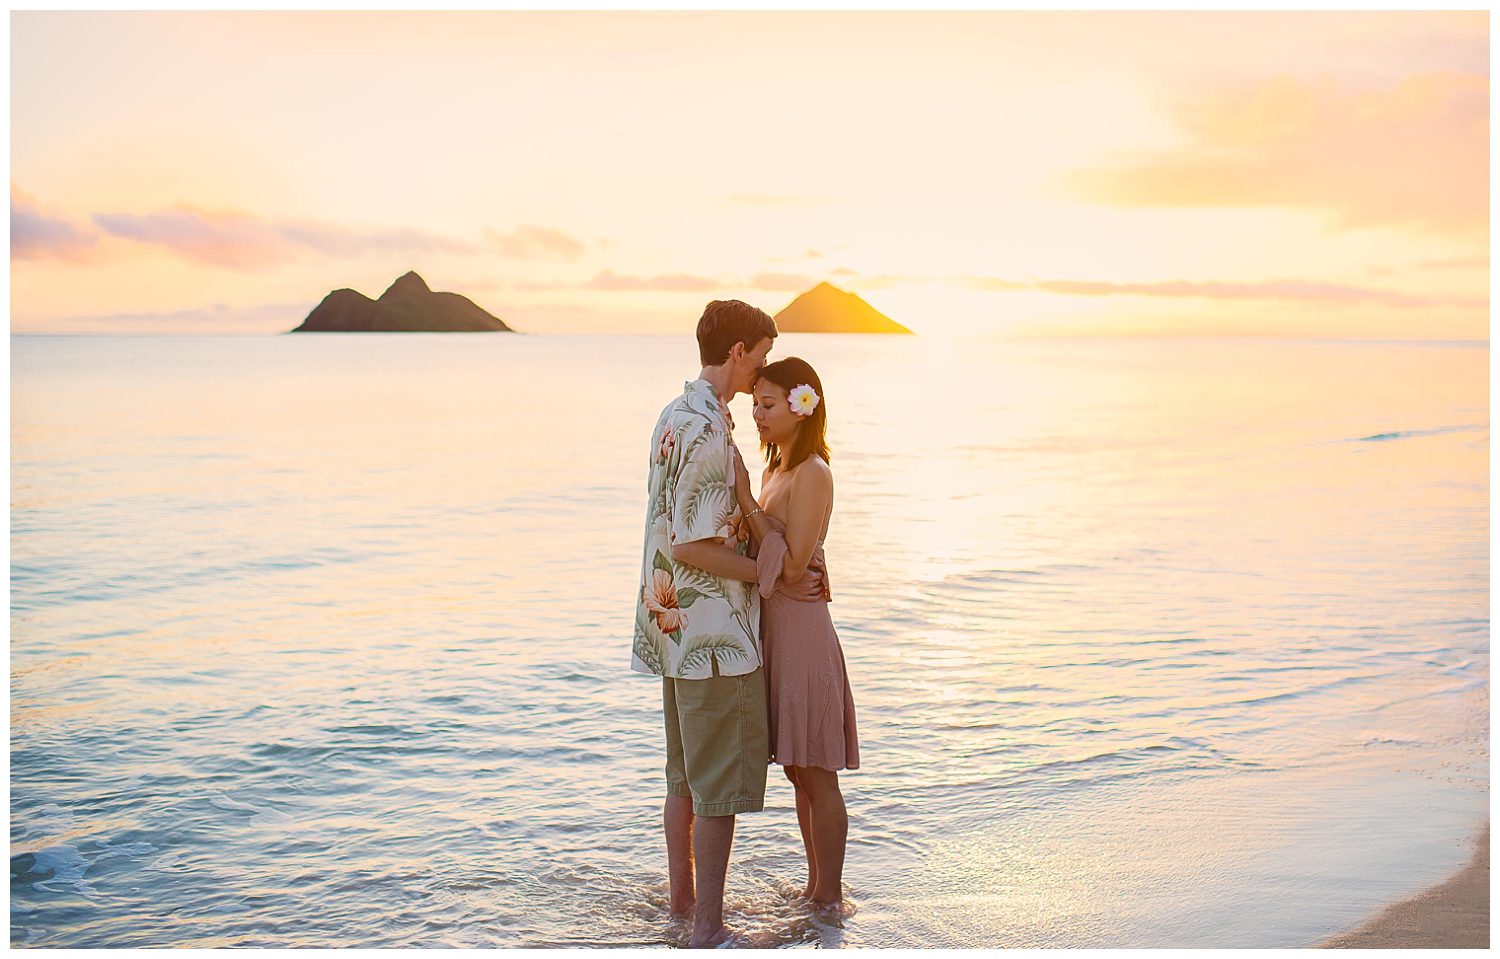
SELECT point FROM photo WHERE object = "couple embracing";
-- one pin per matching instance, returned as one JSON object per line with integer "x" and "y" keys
{"x": 733, "y": 615}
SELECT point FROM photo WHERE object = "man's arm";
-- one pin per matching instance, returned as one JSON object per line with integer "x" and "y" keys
{"x": 714, "y": 556}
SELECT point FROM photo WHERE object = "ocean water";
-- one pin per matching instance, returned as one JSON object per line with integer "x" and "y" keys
{"x": 324, "y": 640}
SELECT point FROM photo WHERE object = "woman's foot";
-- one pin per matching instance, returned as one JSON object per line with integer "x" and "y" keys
{"x": 832, "y": 909}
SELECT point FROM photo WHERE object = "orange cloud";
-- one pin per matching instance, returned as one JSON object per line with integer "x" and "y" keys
{"x": 779, "y": 199}
{"x": 1288, "y": 289}
{"x": 782, "y": 282}
{"x": 37, "y": 235}
{"x": 671, "y": 282}
{"x": 1414, "y": 155}
{"x": 677, "y": 283}
{"x": 804, "y": 257}
{"x": 1301, "y": 290}
{"x": 532, "y": 242}
{"x": 1457, "y": 263}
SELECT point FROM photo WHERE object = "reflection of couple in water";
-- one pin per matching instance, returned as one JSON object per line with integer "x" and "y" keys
{"x": 733, "y": 615}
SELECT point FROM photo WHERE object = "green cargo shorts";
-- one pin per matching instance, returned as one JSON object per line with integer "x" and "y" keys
{"x": 717, "y": 744}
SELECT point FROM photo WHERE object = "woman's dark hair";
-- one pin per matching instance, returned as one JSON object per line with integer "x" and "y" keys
{"x": 727, "y": 322}
{"x": 812, "y": 431}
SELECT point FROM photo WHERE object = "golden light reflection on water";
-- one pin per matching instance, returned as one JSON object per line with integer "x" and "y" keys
{"x": 376, "y": 587}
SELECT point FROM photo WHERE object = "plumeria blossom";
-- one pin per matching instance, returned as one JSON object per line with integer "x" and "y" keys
{"x": 661, "y": 600}
{"x": 803, "y": 400}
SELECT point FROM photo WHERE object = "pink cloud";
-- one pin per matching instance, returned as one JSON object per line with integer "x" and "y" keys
{"x": 215, "y": 318}
{"x": 37, "y": 235}
{"x": 238, "y": 240}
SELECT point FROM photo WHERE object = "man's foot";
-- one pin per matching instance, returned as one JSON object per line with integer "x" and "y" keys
{"x": 683, "y": 910}
{"x": 710, "y": 940}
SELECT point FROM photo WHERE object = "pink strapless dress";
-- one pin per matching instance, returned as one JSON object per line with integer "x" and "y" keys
{"x": 811, "y": 708}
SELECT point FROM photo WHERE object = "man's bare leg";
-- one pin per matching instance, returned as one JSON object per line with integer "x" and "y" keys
{"x": 712, "y": 838}
{"x": 677, "y": 823}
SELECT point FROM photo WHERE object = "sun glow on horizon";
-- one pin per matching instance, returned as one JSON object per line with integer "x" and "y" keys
{"x": 999, "y": 173}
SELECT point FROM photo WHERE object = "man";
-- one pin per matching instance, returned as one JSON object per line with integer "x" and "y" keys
{"x": 697, "y": 622}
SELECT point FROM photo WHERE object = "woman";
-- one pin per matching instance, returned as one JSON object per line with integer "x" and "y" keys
{"x": 811, "y": 709}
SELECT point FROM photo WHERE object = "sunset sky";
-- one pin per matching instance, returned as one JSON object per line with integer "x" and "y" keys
{"x": 1287, "y": 174}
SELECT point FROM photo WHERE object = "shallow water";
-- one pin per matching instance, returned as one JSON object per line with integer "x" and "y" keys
{"x": 324, "y": 640}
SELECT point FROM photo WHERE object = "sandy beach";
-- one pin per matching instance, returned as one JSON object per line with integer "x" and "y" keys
{"x": 1452, "y": 915}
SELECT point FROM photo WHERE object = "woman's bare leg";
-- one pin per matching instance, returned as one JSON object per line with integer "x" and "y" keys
{"x": 804, "y": 822}
{"x": 829, "y": 829}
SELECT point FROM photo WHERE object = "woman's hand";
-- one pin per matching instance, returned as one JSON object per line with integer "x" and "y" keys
{"x": 742, "y": 483}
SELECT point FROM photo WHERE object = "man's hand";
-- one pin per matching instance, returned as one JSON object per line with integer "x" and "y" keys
{"x": 822, "y": 570}
{"x": 808, "y": 589}
{"x": 812, "y": 587}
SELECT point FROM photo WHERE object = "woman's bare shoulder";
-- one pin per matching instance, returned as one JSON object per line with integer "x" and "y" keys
{"x": 813, "y": 472}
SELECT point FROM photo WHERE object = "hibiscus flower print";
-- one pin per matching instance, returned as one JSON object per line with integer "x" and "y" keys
{"x": 734, "y": 528}
{"x": 665, "y": 444}
{"x": 661, "y": 600}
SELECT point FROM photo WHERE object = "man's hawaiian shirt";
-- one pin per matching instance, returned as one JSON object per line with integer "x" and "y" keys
{"x": 687, "y": 617}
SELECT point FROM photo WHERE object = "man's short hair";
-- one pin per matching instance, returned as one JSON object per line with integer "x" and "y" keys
{"x": 727, "y": 322}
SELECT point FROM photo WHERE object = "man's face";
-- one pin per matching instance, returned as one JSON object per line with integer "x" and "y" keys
{"x": 749, "y": 368}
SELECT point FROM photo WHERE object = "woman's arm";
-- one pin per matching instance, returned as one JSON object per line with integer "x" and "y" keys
{"x": 806, "y": 589}
{"x": 808, "y": 500}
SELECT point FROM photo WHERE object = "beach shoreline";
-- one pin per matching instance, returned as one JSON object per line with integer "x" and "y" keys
{"x": 1455, "y": 914}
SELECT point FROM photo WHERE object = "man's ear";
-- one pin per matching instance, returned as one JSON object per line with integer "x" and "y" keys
{"x": 737, "y": 351}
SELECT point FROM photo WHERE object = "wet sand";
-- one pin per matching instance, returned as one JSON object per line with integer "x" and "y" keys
{"x": 1453, "y": 915}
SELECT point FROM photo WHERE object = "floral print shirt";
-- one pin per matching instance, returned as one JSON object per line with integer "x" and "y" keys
{"x": 687, "y": 617}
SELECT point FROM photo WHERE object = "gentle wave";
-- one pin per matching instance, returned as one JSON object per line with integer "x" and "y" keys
{"x": 1121, "y": 655}
{"x": 1407, "y": 434}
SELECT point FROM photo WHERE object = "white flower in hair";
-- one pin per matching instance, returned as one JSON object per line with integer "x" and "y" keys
{"x": 803, "y": 400}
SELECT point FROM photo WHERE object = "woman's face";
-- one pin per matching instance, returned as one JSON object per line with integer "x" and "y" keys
{"x": 774, "y": 419}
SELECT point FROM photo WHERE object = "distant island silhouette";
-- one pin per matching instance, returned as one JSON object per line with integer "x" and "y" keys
{"x": 408, "y": 306}
{"x": 827, "y": 309}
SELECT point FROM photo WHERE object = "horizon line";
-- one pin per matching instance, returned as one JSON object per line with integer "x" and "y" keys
{"x": 945, "y": 336}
